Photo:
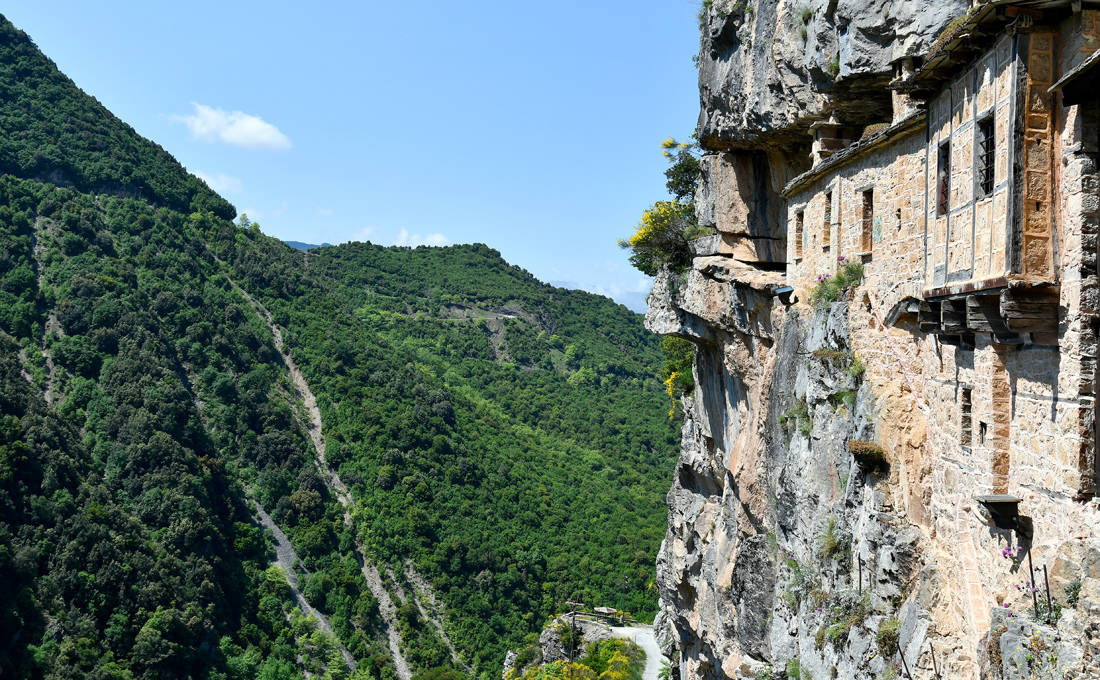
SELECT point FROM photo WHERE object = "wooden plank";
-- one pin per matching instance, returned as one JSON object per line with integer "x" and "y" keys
{"x": 1030, "y": 310}
{"x": 983, "y": 314}
{"x": 928, "y": 317}
{"x": 953, "y": 316}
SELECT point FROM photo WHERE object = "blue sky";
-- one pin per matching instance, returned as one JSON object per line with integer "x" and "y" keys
{"x": 532, "y": 127}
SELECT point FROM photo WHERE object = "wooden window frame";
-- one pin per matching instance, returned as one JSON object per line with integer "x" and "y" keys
{"x": 986, "y": 158}
{"x": 943, "y": 178}
{"x": 867, "y": 221}
{"x": 799, "y": 233}
{"x": 827, "y": 221}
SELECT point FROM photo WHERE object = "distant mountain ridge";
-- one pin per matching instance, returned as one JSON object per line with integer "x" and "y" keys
{"x": 299, "y": 245}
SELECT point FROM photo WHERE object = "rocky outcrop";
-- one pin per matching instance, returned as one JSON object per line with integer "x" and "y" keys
{"x": 824, "y": 512}
{"x": 767, "y": 68}
{"x": 768, "y": 508}
{"x": 555, "y": 643}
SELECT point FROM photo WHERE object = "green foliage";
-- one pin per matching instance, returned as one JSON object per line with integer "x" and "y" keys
{"x": 848, "y": 612}
{"x": 127, "y": 545}
{"x": 830, "y": 289}
{"x": 805, "y": 15}
{"x": 614, "y": 659}
{"x": 676, "y": 373}
{"x": 50, "y": 129}
{"x": 802, "y": 580}
{"x": 856, "y": 369}
{"x": 833, "y": 66}
{"x": 794, "y": 669}
{"x": 682, "y": 175}
{"x": 798, "y": 416}
{"x": 660, "y": 240}
{"x": 1073, "y": 592}
{"x": 662, "y": 235}
{"x": 835, "y": 543}
{"x": 887, "y": 636}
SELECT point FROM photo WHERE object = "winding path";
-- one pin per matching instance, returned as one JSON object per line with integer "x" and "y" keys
{"x": 337, "y": 486}
{"x": 643, "y": 636}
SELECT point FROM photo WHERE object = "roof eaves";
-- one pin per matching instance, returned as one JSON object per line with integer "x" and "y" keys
{"x": 903, "y": 127}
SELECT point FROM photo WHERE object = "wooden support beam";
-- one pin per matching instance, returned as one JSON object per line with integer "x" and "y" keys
{"x": 983, "y": 314}
{"x": 928, "y": 317}
{"x": 1031, "y": 310}
{"x": 953, "y": 316}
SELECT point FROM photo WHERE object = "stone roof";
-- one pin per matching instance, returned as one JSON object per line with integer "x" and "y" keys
{"x": 864, "y": 146}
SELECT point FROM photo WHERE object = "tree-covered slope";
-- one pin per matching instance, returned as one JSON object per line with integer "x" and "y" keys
{"x": 50, "y": 129}
{"x": 504, "y": 437}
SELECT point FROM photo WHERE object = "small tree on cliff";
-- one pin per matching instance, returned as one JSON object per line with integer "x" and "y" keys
{"x": 662, "y": 235}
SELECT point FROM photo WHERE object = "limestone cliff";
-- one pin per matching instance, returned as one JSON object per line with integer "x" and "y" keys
{"x": 819, "y": 520}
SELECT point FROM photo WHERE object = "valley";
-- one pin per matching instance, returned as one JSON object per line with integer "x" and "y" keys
{"x": 224, "y": 457}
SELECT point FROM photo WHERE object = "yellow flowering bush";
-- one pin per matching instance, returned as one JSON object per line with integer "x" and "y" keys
{"x": 660, "y": 239}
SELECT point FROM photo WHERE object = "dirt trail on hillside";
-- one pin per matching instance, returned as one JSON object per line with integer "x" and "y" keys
{"x": 433, "y": 612}
{"x": 286, "y": 559}
{"x": 643, "y": 636}
{"x": 337, "y": 486}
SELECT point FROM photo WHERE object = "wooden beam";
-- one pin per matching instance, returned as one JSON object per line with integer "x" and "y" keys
{"x": 983, "y": 314}
{"x": 928, "y": 317}
{"x": 1030, "y": 310}
{"x": 953, "y": 316}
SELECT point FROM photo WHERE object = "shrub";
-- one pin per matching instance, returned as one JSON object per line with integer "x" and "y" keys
{"x": 1073, "y": 592}
{"x": 829, "y": 354}
{"x": 660, "y": 240}
{"x": 843, "y": 398}
{"x": 794, "y": 669}
{"x": 830, "y": 289}
{"x": 868, "y": 455}
{"x": 676, "y": 373}
{"x": 856, "y": 369}
{"x": 662, "y": 235}
{"x": 845, "y": 615}
{"x": 887, "y": 636}
{"x": 835, "y": 543}
{"x": 798, "y": 415}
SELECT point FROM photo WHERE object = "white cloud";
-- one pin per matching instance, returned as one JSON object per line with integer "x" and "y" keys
{"x": 221, "y": 183}
{"x": 233, "y": 127}
{"x": 404, "y": 238}
{"x": 322, "y": 211}
{"x": 256, "y": 214}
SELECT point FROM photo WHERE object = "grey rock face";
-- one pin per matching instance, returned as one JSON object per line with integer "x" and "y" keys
{"x": 767, "y": 67}
{"x": 554, "y": 638}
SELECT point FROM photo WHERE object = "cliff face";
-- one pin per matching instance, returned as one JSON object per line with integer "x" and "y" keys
{"x": 819, "y": 520}
{"x": 766, "y": 66}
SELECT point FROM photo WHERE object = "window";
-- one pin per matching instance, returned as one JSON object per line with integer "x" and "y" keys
{"x": 867, "y": 221}
{"x": 799, "y": 233}
{"x": 987, "y": 150}
{"x": 827, "y": 221}
{"x": 966, "y": 418}
{"x": 943, "y": 177}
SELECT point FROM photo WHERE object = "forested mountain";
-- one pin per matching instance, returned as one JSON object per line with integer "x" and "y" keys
{"x": 498, "y": 438}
